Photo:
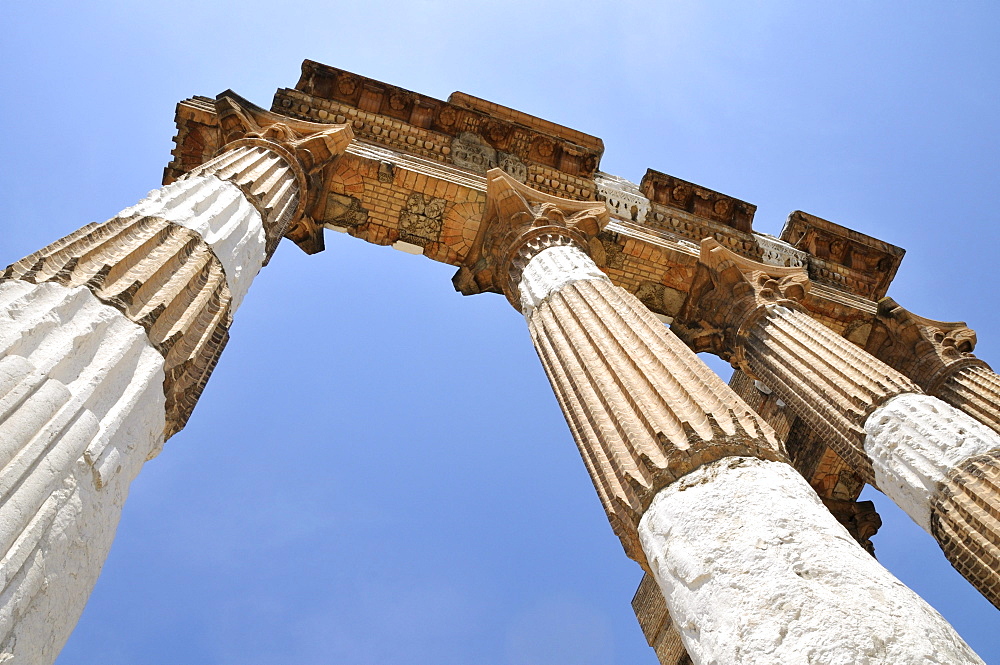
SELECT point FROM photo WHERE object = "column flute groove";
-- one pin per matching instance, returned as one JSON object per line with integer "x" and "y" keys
{"x": 908, "y": 444}
{"x": 678, "y": 461}
{"x": 107, "y": 339}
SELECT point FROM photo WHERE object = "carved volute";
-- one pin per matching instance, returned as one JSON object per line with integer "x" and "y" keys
{"x": 925, "y": 350}
{"x": 519, "y": 222}
{"x": 728, "y": 294}
{"x": 308, "y": 148}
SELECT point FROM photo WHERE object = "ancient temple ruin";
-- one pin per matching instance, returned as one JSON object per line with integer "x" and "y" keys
{"x": 739, "y": 501}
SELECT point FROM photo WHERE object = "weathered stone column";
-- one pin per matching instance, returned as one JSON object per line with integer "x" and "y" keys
{"x": 938, "y": 356}
{"x": 107, "y": 338}
{"x": 914, "y": 447}
{"x": 752, "y": 566}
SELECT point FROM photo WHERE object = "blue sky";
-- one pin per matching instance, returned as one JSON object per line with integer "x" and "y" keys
{"x": 378, "y": 472}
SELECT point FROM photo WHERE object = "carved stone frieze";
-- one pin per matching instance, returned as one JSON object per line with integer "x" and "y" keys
{"x": 344, "y": 211}
{"x": 623, "y": 198}
{"x": 776, "y": 252}
{"x": 843, "y": 257}
{"x": 519, "y": 222}
{"x": 471, "y": 151}
{"x": 333, "y": 95}
{"x": 421, "y": 220}
{"x": 672, "y": 192}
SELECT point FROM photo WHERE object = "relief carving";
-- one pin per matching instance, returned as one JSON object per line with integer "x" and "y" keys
{"x": 344, "y": 211}
{"x": 519, "y": 222}
{"x": 925, "y": 350}
{"x": 727, "y": 293}
{"x": 470, "y": 151}
{"x": 421, "y": 221}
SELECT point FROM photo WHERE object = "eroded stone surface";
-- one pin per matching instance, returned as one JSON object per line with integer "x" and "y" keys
{"x": 914, "y": 442}
{"x": 220, "y": 213}
{"x": 81, "y": 409}
{"x": 754, "y": 569}
{"x": 643, "y": 408}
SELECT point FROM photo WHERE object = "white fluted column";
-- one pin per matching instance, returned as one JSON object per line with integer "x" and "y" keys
{"x": 107, "y": 338}
{"x": 753, "y": 568}
{"x": 941, "y": 466}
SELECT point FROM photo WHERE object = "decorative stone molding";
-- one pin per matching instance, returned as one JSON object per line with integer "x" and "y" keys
{"x": 518, "y": 224}
{"x": 672, "y": 192}
{"x": 643, "y": 409}
{"x": 622, "y": 197}
{"x": 728, "y": 294}
{"x": 81, "y": 410}
{"x": 775, "y": 252}
{"x": 389, "y": 115}
{"x": 925, "y": 350}
{"x": 842, "y": 257}
{"x": 471, "y": 152}
{"x": 938, "y": 356}
{"x": 303, "y": 150}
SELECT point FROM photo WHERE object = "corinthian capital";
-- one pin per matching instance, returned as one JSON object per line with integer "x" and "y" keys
{"x": 925, "y": 350}
{"x": 519, "y": 222}
{"x": 308, "y": 148}
{"x": 728, "y": 293}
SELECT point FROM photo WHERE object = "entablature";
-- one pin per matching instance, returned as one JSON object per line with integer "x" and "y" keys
{"x": 415, "y": 177}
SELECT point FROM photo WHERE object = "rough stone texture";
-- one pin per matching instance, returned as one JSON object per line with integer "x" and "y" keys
{"x": 794, "y": 589}
{"x": 81, "y": 409}
{"x": 965, "y": 520}
{"x": 160, "y": 275}
{"x": 750, "y": 313}
{"x": 651, "y": 610}
{"x": 914, "y": 442}
{"x": 220, "y": 213}
{"x": 550, "y": 271}
{"x": 976, "y": 391}
{"x": 643, "y": 409}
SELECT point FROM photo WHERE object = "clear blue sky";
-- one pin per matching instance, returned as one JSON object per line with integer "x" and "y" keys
{"x": 378, "y": 472}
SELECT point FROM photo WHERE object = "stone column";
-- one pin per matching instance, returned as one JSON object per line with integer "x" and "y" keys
{"x": 107, "y": 338}
{"x": 917, "y": 449}
{"x": 753, "y": 568}
{"x": 938, "y": 356}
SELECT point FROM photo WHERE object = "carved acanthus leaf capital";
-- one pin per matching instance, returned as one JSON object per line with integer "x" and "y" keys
{"x": 925, "y": 350}
{"x": 518, "y": 223}
{"x": 728, "y": 293}
{"x": 308, "y": 148}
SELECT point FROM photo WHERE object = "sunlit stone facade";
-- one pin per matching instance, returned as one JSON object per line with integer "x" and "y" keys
{"x": 739, "y": 501}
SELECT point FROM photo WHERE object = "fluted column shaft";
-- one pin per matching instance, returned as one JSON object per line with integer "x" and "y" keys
{"x": 696, "y": 486}
{"x": 107, "y": 338}
{"x": 975, "y": 389}
{"x": 914, "y": 447}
